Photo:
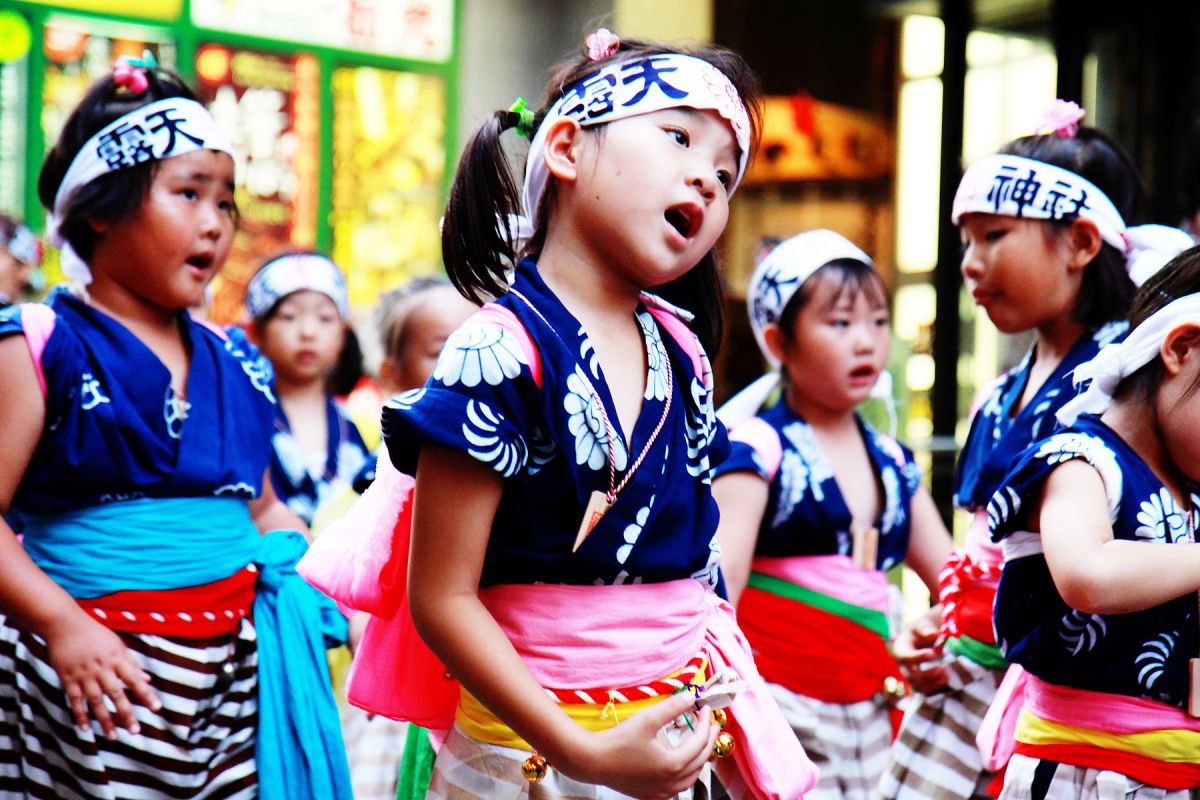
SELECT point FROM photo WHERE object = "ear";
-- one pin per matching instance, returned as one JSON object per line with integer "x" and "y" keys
{"x": 389, "y": 374}
{"x": 1181, "y": 346}
{"x": 562, "y": 144}
{"x": 1084, "y": 241}
{"x": 253, "y": 333}
{"x": 100, "y": 226}
{"x": 776, "y": 341}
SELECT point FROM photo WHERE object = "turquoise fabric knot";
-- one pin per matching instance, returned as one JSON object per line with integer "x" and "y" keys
{"x": 300, "y": 753}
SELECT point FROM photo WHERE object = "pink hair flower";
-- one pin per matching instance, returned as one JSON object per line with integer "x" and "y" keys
{"x": 601, "y": 44}
{"x": 1061, "y": 118}
{"x": 131, "y": 77}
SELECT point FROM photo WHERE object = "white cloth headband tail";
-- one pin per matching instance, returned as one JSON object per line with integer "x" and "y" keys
{"x": 1116, "y": 362}
{"x": 1013, "y": 186}
{"x": 633, "y": 86}
{"x": 154, "y": 132}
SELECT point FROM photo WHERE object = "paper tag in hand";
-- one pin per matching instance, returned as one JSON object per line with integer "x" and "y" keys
{"x": 597, "y": 505}
{"x": 865, "y": 548}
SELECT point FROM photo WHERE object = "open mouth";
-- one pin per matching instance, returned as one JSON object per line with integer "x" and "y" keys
{"x": 685, "y": 219}
{"x": 862, "y": 373}
{"x": 200, "y": 261}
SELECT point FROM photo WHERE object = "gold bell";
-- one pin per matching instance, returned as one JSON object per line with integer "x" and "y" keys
{"x": 534, "y": 768}
{"x": 724, "y": 744}
{"x": 894, "y": 689}
{"x": 719, "y": 717}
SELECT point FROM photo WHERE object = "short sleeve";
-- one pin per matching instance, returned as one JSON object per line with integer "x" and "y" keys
{"x": 481, "y": 400}
{"x": 754, "y": 447}
{"x": 1006, "y": 513}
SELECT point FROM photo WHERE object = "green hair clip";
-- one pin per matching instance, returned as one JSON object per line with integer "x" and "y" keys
{"x": 147, "y": 61}
{"x": 525, "y": 123}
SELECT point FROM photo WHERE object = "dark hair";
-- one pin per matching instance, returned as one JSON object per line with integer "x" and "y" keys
{"x": 853, "y": 276}
{"x": 477, "y": 250}
{"x": 1106, "y": 290}
{"x": 8, "y": 226}
{"x": 1180, "y": 277}
{"x": 113, "y": 196}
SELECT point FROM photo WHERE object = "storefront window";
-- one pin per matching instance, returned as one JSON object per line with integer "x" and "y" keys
{"x": 388, "y": 163}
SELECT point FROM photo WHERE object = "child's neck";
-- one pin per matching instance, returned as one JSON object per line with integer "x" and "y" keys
{"x": 1056, "y": 338}
{"x": 1135, "y": 423}
{"x": 134, "y": 312}
{"x": 582, "y": 285}
{"x": 834, "y": 420}
{"x": 301, "y": 392}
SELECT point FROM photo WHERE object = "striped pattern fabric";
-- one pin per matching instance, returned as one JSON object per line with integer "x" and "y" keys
{"x": 934, "y": 756}
{"x": 849, "y": 742}
{"x": 1034, "y": 779}
{"x": 467, "y": 769}
{"x": 200, "y": 746}
{"x": 629, "y": 694}
{"x": 374, "y": 747}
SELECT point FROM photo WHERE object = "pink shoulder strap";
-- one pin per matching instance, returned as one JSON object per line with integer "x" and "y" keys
{"x": 759, "y": 434}
{"x": 37, "y": 320}
{"x": 500, "y": 316}
{"x": 678, "y": 330}
{"x": 217, "y": 329}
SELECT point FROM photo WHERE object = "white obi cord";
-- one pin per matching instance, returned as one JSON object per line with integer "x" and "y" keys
{"x": 153, "y": 132}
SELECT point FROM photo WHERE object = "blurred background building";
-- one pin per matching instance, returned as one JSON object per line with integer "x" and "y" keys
{"x": 349, "y": 114}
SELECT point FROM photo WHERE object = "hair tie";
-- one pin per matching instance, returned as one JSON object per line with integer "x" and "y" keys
{"x": 130, "y": 72}
{"x": 525, "y": 117}
{"x": 1061, "y": 118}
{"x": 601, "y": 44}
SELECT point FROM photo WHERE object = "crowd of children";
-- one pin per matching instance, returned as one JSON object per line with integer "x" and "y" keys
{"x": 567, "y": 571}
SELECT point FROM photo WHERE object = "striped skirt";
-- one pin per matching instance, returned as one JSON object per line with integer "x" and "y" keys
{"x": 934, "y": 756}
{"x": 467, "y": 769}
{"x": 849, "y": 742}
{"x": 1035, "y": 779}
{"x": 200, "y": 745}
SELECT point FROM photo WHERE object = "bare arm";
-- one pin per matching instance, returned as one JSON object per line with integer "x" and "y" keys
{"x": 91, "y": 661}
{"x": 1094, "y": 572}
{"x": 455, "y": 502}
{"x": 742, "y": 500}
{"x": 271, "y": 514}
{"x": 929, "y": 544}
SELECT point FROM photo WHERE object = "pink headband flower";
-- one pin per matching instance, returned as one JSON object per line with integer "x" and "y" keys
{"x": 601, "y": 44}
{"x": 131, "y": 72}
{"x": 1061, "y": 118}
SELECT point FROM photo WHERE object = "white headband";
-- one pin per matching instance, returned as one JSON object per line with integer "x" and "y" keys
{"x": 1012, "y": 186}
{"x": 24, "y": 246}
{"x": 780, "y": 275}
{"x": 153, "y": 132}
{"x": 638, "y": 86}
{"x": 296, "y": 273}
{"x": 775, "y": 281}
{"x": 1116, "y": 362}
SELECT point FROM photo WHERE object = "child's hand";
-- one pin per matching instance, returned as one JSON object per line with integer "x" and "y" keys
{"x": 633, "y": 760}
{"x": 913, "y": 650}
{"x": 93, "y": 663}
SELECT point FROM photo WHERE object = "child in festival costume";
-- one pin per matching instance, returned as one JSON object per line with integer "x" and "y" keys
{"x": 1047, "y": 249}
{"x": 1098, "y": 597}
{"x": 816, "y": 506}
{"x": 299, "y": 310}
{"x": 564, "y": 569}
{"x": 20, "y": 254}
{"x": 136, "y": 445}
{"x": 414, "y": 322}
